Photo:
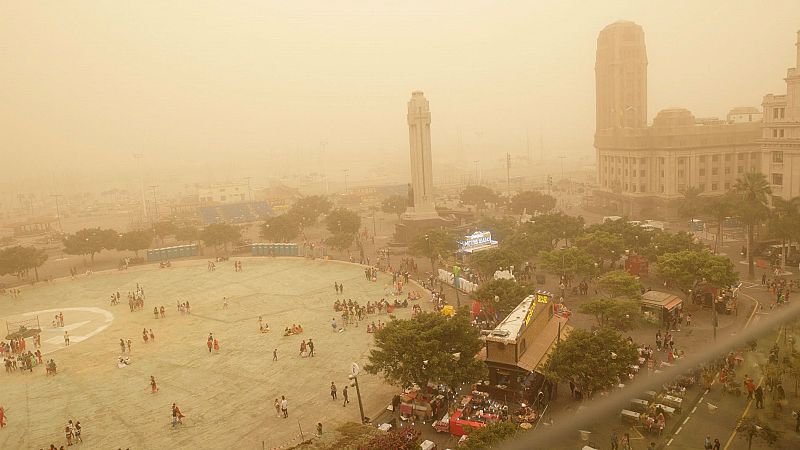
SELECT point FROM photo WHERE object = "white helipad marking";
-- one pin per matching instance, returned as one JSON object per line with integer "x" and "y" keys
{"x": 58, "y": 340}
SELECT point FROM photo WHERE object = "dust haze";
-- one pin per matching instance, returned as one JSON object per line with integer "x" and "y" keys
{"x": 297, "y": 91}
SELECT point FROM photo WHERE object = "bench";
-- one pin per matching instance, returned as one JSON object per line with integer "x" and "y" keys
{"x": 629, "y": 416}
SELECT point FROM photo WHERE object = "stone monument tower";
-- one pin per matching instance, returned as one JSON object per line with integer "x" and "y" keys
{"x": 419, "y": 138}
{"x": 621, "y": 77}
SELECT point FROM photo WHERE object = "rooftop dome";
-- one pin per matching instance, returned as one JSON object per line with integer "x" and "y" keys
{"x": 674, "y": 117}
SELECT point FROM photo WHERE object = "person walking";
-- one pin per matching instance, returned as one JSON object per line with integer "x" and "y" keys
{"x": 614, "y": 440}
{"x": 707, "y": 443}
{"x": 284, "y": 407}
{"x": 78, "y": 430}
{"x": 277, "y": 408}
{"x": 153, "y": 385}
{"x": 759, "y": 396}
{"x": 717, "y": 445}
{"x": 310, "y": 348}
{"x": 344, "y": 395}
{"x": 626, "y": 441}
{"x": 210, "y": 343}
{"x": 333, "y": 391}
{"x": 275, "y": 355}
{"x": 66, "y": 338}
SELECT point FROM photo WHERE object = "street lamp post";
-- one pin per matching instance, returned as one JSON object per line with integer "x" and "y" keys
{"x": 58, "y": 212}
{"x": 354, "y": 369}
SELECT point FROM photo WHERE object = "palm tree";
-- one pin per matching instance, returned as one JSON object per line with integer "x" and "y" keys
{"x": 783, "y": 223}
{"x": 719, "y": 208}
{"x": 754, "y": 191}
{"x": 691, "y": 204}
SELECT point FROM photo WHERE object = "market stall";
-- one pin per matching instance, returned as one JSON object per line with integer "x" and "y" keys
{"x": 664, "y": 306}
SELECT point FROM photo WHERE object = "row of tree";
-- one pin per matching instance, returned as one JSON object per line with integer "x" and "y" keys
{"x": 91, "y": 241}
{"x": 748, "y": 200}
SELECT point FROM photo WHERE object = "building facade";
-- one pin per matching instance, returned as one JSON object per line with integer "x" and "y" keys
{"x": 227, "y": 193}
{"x": 642, "y": 170}
{"x": 780, "y": 135}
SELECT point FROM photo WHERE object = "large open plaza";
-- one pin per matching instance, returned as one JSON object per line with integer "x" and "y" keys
{"x": 227, "y": 395}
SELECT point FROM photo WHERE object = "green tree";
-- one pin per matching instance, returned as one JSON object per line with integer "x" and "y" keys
{"x": 592, "y": 360}
{"x": 217, "y": 234}
{"x": 90, "y": 241}
{"x": 602, "y": 245}
{"x": 719, "y": 208}
{"x": 532, "y": 201}
{"x": 527, "y": 242}
{"x": 619, "y": 283}
{"x": 501, "y": 227}
{"x": 490, "y": 435}
{"x": 163, "y": 229}
{"x": 691, "y": 204}
{"x": 19, "y": 260}
{"x": 342, "y": 220}
{"x": 620, "y": 314}
{"x": 685, "y": 268}
{"x": 783, "y": 222}
{"x": 556, "y": 227}
{"x": 433, "y": 245}
{"x": 754, "y": 191}
{"x": 634, "y": 237}
{"x": 283, "y": 228}
{"x": 406, "y": 438}
{"x": 752, "y": 427}
{"x": 571, "y": 261}
{"x": 340, "y": 241}
{"x": 135, "y": 240}
{"x": 665, "y": 242}
{"x": 308, "y": 209}
{"x": 187, "y": 234}
{"x": 429, "y": 347}
{"x": 478, "y": 196}
{"x": 395, "y": 204}
{"x": 489, "y": 261}
{"x": 502, "y": 295}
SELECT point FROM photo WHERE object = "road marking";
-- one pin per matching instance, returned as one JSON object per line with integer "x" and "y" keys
{"x": 669, "y": 442}
{"x": 685, "y": 420}
{"x": 678, "y": 430}
{"x": 695, "y": 408}
{"x": 749, "y": 403}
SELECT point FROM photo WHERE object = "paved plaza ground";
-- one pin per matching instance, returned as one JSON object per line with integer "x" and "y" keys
{"x": 227, "y": 397}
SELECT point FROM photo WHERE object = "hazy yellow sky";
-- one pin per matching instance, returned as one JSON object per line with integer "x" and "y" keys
{"x": 83, "y": 84}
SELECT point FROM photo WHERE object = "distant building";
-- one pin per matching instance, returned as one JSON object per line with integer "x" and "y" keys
{"x": 780, "y": 135}
{"x": 743, "y": 114}
{"x": 642, "y": 170}
{"x": 226, "y": 193}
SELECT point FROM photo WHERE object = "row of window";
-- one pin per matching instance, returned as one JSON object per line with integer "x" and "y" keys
{"x": 778, "y": 132}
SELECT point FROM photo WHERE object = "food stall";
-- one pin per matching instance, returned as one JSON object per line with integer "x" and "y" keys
{"x": 662, "y": 305}
{"x": 475, "y": 410}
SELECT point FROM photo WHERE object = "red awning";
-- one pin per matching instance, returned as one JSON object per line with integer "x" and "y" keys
{"x": 674, "y": 303}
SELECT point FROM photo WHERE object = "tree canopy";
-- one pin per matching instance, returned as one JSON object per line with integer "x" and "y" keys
{"x": 592, "y": 360}
{"x": 685, "y": 268}
{"x": 662, "y": 242}
{"x": 428, "y": 347}
{"x": 489, "y": 261}
{"x": 753, "y": 190}
{"x": 308, "y": 209}
{"x": 479, "y": 196}
{"x": 502, "y": 295}
{"x": 283, "y": 228}
{"x": 343, "y": 221}
{"x": 633, "y": 236}
{"x": 692, "y": 203}
{"x": 527, "y": 242}
{"x": 532, "y": 201}
{"x": 163, "y": 229}
{"x": 501, "y": 227}
{"x": 217, "y": 234}
{"x": 620, "y": 314}
{"x": 90, "y": 241}
{"x": 433, "y": 244}
{"x": 340, "y": 241}
{"x": 405, "y": 438}
{"x": 569, "y": 261}
{"x": 490, "y": 436}
{"x": 619, "y": 283}
{"x": 135, "y": 240}
{"x": 602, "y": 245}
{"x": 753, "y": 427}
{"x": 19, "y": 260}
{"x": 395, "y": 204}
{"x": 555, "y": 227}
{"x": 187, "y": 234}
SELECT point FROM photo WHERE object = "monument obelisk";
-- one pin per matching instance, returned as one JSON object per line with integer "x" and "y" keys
{"x": 419, "y": 139}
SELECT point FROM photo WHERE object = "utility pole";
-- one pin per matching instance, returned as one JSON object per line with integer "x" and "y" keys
{"x": 476, "y": 171}
{"x": 58, "y": 212}
{"x": 345, "y": 180}
{"x": 154, "y": 217}
{"x": 508, "y": 175}
{"x": 541, "y": 144}
{"x": 138, "y": 157}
